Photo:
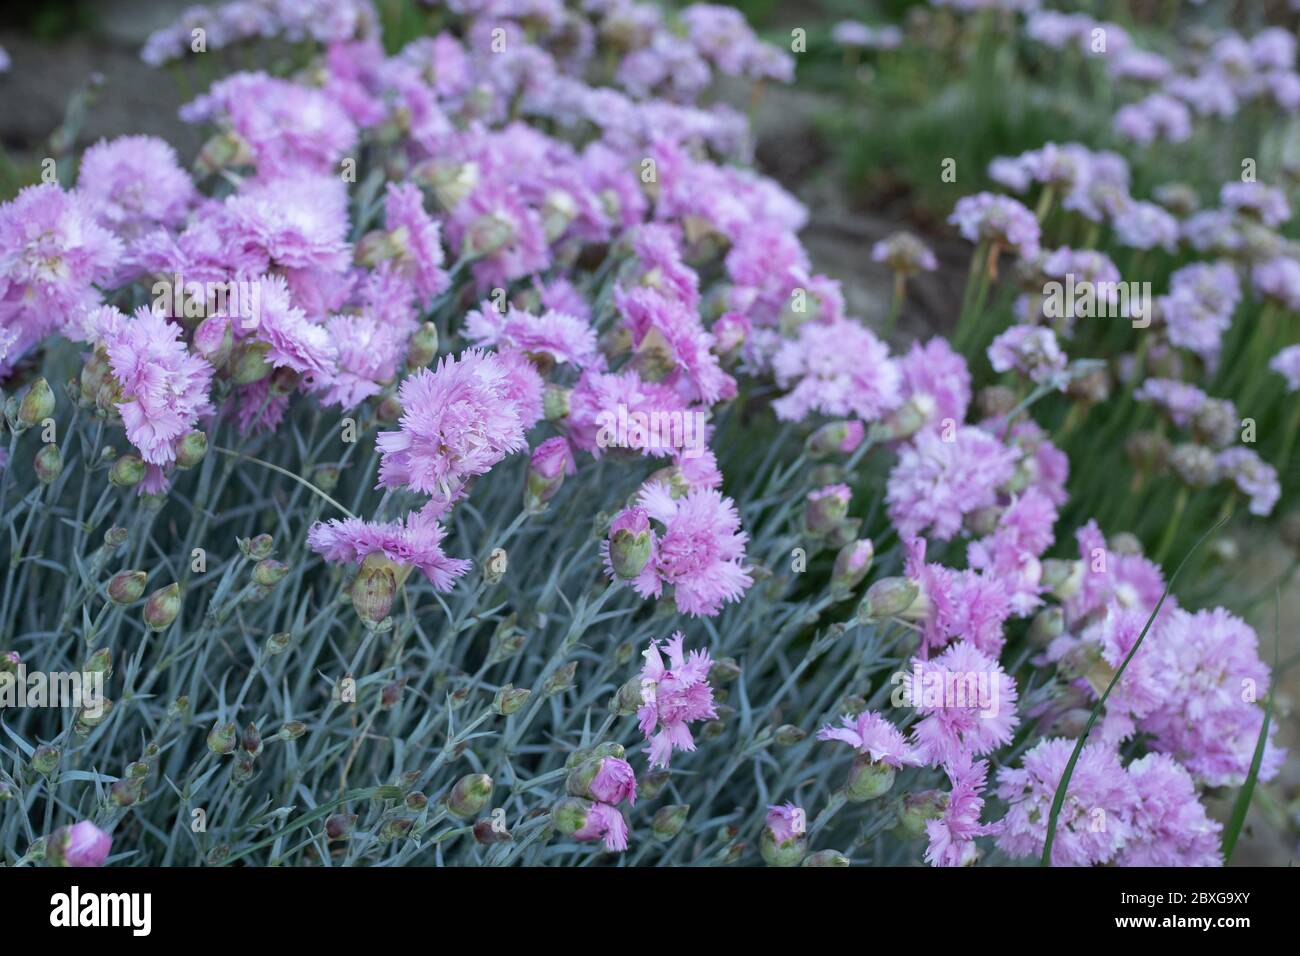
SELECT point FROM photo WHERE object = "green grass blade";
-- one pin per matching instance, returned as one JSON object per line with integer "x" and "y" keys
{"x": 1242, "y": 806}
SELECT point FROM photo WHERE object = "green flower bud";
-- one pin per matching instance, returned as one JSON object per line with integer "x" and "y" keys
{"x": 127, "y": 471}
{"x": 469, "y": 795}
{"x": 825, "y": 858}
{"x": 115, "y": 537}
{"x": 486, "y": 235}
{"x": 888, "y": 597}
{"x": 423, "y": 346}
{"x": 373, "y": 590}
{"x": 45, "y": 759}
{"x": 1047, "y": 626}
{"x": 48, "y": 464}
{"x": 248, "y": 363}
{"x": 788, "y": 735}
{"x": 555, "y": 402}
{"x": 787, "y": 853}
{"x": 917, "y": 809}
{"x": 834, "y": 438}
{"x": 669, "y": 820}
{"x": 628, "y": 699}
{"x": 100, "y": 662}
{"x": 126, "y": 587}
{"x": 37, "y": 405}
{"x": 223, "y": 738}
{"x": 868, "y": 779}
{"x": 509, "y": 699}
{"x": 570, "y": 814}
{"x": 851, "y": 566}
{"x": 191, "y": 449}
{"x": 269, "y": 571}
{"x": 561, "y": 680}
{"x": 278, "y": 642}
{"x": 162, "y": 607}
{"x": 292, "y": 730}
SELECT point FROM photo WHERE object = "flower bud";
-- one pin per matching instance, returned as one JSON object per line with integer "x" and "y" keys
{"x": 373, "y": 590}
{"x": 783, "y": 842}
{"x": 652, "y": 783}
{"x": 469, "y": 795}
{"x": 826, "y": 508}
{"x": 545, "y": 473}
{"x": 917, "y": 809}
{"x": 561, "y": 680}
{"x": 48, "y": 464}
{"x": 607, "y": 779}
{"x": 268, "y": 572}
{"x": 115, "y": 537}
{"x": 630, "y": 543}
{"x": 339, "y": 825}
{"x": 278, "y": 642}
{"x": 825, "y": 858}
{"x": 888, "y": 597}
{"x": 510, "y": 699}
{"x": 628, "y": 699}
{"x": 1047, "y": 626}
{"x": 1195, "y": 465}
{"x": 555, "y": 402}
{"x": 191, "y": 449}
{"x": 868, "y": 779}
{"x": 488, "y": 832}
{"x": 841, "y": 437}
{"x": 162, "y": 607}
{"x": 423, "y": 346}
{"x": 38, "y": 404}
{"x": 80, "y": 845}
{"x": 100, "y": 662}
{"x": 851, "y": 565}
{"x": 569, "y": 815}
{"x": 669, "y": 820}
{"x": 127, "y": 471}
{"x": 485, "y": 235}
{"x": 787, "y": 735}
{"x": 45, "y": 759}
{"x": 248, "y": 363}
{"x": 1062, "y": 579}
{"x": 251, "y": 740}
{"x": 292, "y": 730}
{"x": 223, "y": 738}
{"x": 214, "y": 340}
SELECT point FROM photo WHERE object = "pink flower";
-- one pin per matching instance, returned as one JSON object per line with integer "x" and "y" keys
{"x": 1031, "y": 351}
{"x": 967, "y": 704}
{"x": 299, "y": 222}
{"x": 52, "y": 254}
{"x": 415, "y": 541}
{"x": 416, "y": 238}
{"x": 1170, "y": 826}
{"x": 295, "y": 342}
{"x": 998, "y": 219}
{"x": 952, "y": 835}
{"x": 1096, "y": 818}
{"x": 134, "y": 182}
{"x": 614, "y": 782}
{"x": 83, "y": 844}
{"x": 607, "y": 823}
{"x": 494, "y": 226}
{"x": 674, "y": 336}
{"x": 937, "y": 376}
{"x": 699, "y": 554}
{"x": 1287, "y": 364}
{"x": 164, "y": 386}
{"x": 937, "y": 482}
{"x": 368, "y": 352}
{"x": 457, "y": 422}
{"x": 871, "y": 734}
{"x": 786, "y": 822}
{"x": 594, "y": 410}
{"x": 556, "y": 336}
{"x": 836, "y": 368}
{"x": 672, "y": 698}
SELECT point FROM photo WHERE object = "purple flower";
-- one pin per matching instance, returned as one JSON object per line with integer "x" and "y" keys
{"x": 1170, "y": 826}
{"x": 1261, "y": 202}
{"x": 836, "y": 368}
{"x": 1096, "y": 818}
{"x": 871, "y": 734}
{"x": 134, "y": 182}
{"x": 415, "y": 238}
{"x": 595, "y": 407}
{"x": 299, "y": 222}
{"x": 495, "y": 227}
{"x": 672, "y": 341}
{"x": 607, "y": 823}
{"x": 938, "y": 378}
{"x": 672, "y": 697}
{"x": 1278, "y": 279}
{"x": 1031, "y": 351}
{"x": 700, "y": 553}
{"x": 786, "y": 822}
{"x": 295, "y": 342}
{"x": 457, "y": 422}
{"x": 557, "y": 336}
{"x": 1159, "y": 116}
{"x": 997, "y": 219}
{"x": 1144, "y": 225}
{"x": 1178, "y": 400}
{"x": 936, "y": 482}
{"x": 415, "y": 541}
{"x": 1253, "y": 477}
{"x": 904, "y": 253}
{"x": 1287, "y": 364}
{"x": 967, "y": 704}
{"x": 81, "y": 845}
{"x": 614, "y": 782}
{"x": 164, "y": 386}
{"x": 952, "y": 835}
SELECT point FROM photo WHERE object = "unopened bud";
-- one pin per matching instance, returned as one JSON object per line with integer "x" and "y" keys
{"x": 851, "y": 565}
{"x": 555, "y": 402}
{"x": 561, "y": 680}
{"x": 826, "y": 508}
{"x": 788, "y": 734}
{"x": 372, "y": 593}
{"x": 248, "y": 363}
{"x": 1047, "y": 626}
{"x": 127, "y": 471}
{"x": 269, "y": 571}
{"x": 469, "y": 795}
{"x": 162, "y": 607}
{"x": 38, "y": 404}
{"x": 917, "y": 809}
{"x": 214, "y": 339}
{"x": 509, "y": 699}
{"x": 192, "y": 449}
{"x": 545, "y": 475}
{"x": 486, "y": 235}
{"x": 278, "y": 642}
{"x": 223, "y": 738}
{"x": 630, "y": 543}
{"x": 45, "y": 759}
{"x": 292, "y": 730}
{"x": 825, "y": 858}
{"x": 48, "y": 464}
{"x": 887, "y": 598}
{"x": 835, "y": 438}
{"x": 668, "y": 821}
{"x": 423, "y": 346}
{"x": 868, "y": 779}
